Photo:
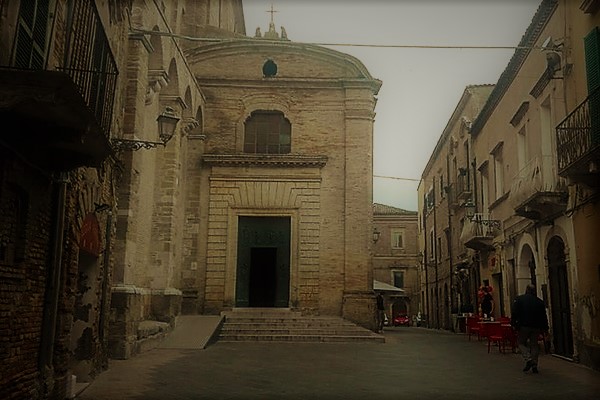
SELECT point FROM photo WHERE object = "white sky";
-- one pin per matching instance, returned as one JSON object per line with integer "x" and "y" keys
{"x": 421, "y": 87}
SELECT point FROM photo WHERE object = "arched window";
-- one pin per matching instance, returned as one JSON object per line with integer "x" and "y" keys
{"x": 267, "y": 132}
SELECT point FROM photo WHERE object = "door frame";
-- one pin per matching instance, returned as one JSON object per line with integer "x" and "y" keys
{"x": 232, "y": 256}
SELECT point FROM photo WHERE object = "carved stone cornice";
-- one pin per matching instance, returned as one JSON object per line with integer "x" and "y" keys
{"x": 265, "y": 160}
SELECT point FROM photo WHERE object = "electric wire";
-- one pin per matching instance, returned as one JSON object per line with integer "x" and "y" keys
{"x": 391, "y": 46}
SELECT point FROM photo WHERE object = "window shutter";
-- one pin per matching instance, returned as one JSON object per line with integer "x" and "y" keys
{"x": 32, "y": 33}
{"x": 592, "y": 59}
{"x": 592, "y": 65}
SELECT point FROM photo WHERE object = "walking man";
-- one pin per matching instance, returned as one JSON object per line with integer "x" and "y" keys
{"x": 530, "y": 320}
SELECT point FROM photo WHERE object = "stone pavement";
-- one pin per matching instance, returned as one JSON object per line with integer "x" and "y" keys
{"x": 413, "y": 363}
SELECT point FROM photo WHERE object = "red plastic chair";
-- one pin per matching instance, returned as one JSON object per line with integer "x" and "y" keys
{"x": 510, "y": 336}
{"x": 495, "y": 335}
{"x": 473, "y": 326}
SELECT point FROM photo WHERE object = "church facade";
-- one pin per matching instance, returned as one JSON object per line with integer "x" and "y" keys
{"x": 263, "y": 197}
{"x": 284, "y": 179}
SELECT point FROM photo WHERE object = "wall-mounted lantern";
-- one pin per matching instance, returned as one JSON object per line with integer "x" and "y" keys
{"x": 167, "y": 122}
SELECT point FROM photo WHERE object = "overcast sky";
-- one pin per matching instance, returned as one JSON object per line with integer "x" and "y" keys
{"x": 421, "y": 86}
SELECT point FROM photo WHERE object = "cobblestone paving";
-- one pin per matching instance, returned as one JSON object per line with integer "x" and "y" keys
{"x": 413, "y": 363}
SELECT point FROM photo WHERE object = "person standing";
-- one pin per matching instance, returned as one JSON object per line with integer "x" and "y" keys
{"x": 487, "y": 303}
{"x": 380, "y": 312}
{"x": 528, "y": 317}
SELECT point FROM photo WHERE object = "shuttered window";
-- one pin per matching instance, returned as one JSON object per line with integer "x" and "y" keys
{"x": 267, "y": 132}
{"x": 32, "y": 31}
{"x": 592, "y": 59}
{"x": 592, "y": 65}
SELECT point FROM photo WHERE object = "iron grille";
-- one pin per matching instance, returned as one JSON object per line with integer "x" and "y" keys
{"x": 90, "y": 62}
{"x": 579, "y": 133}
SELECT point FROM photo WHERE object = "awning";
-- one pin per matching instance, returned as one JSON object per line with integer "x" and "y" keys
{"x": 387, "y": 288}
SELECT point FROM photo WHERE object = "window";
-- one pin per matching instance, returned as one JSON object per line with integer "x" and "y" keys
{"x": 439, "y": 247}
{"x": 522, "y": 148}
{"x": 431, "y": 245}
{"x": 592, "y": 59}
{"x": 267, "y": 132}
{"x": 32, "y": 28}
{"x": 498, "y": 170}
{"x": 397, "y": 239}
{"x": 398, "y": 279}
{"x": 484, "y": 186}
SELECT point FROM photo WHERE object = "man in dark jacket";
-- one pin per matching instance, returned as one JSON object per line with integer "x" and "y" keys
{"x": 530, "y": 320}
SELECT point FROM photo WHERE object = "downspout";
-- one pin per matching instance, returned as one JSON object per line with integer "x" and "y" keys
{"x": 425, "y": 262}
{"x": 449, "y": 238}
{"x": 52, "y": 294}
{"x": 104, "y": 298}
{"x": 435, "y": 255}
{"x": 475, "y": 200}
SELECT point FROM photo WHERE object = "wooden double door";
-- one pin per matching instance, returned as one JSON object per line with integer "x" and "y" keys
{"x": 263, "y": 262}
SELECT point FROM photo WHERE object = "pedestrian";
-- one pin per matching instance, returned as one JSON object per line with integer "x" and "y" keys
{"x": 380, "y": 312}
{"x": 530, "y": 320}
{"x": 487, "y": 303}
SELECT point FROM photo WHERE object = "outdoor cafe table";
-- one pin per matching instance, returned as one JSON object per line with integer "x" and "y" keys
{"x": 484, "y": 327}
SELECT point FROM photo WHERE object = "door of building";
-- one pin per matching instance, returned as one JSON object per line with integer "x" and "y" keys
{"x": 562, "y": 335}
{"x": 263, "y": 264}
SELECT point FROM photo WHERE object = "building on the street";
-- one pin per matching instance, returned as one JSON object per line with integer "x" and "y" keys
{"x": 62, "y": 67}
{"x": 263, "y": 198}
{"x": 533, "y": 216}
{"x": 447, "y": 280}
{"x": 153, "y": 220}
{"x": 395, "y": 259}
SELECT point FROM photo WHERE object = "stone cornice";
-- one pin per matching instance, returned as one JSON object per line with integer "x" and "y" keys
{"x": 265, "y": 160}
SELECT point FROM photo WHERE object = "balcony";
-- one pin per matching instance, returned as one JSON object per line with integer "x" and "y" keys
{"x": 463, "y": 187}
{"x": 60, "y": 115}
{"x": 459, "y": 191}
{"x": 578, "y": 143}
{"x": 479, "y": 231}
{"x": 537, "y": 192}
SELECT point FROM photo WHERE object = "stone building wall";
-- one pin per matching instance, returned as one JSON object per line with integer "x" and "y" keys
{"x": 324, "y": 184}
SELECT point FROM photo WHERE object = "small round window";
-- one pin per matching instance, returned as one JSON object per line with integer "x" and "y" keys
{"x": 269, "y": 69}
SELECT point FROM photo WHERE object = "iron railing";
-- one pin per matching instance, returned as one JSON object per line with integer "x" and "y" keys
{"x": 579, "y": 133}
{"x": 87, "y": 57}
{"x": 89, "y": 61}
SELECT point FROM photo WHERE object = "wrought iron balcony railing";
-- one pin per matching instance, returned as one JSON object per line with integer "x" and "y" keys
{"x": 81, "y": 51}
{"x": 90, "y": 62}
{"x": 578, "y": 135}
{"x": 479, "y": 231}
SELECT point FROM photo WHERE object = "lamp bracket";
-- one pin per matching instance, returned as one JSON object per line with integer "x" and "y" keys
{"x": 133, "y": 145}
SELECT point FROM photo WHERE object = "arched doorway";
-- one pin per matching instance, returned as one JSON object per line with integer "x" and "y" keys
{"x": 562, "y": 334}
{"x": 84, "y": 344}
{"x": 526, "y": 272}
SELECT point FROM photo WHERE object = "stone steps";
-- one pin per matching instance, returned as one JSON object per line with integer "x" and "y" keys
{"x": 284, "y": 325}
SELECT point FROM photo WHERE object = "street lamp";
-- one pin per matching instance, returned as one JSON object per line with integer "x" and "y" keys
{"x": 376, "y": 235}
{"x": 469, "y": 207}
{"x": 167, "y": 122}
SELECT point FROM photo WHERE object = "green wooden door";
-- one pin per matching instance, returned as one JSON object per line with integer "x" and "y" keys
{"x": 263, "y": 265}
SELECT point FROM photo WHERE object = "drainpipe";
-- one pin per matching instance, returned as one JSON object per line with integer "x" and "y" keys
{"x": 435, "y": 255}
{"x": 449, "y": 239}
{"x": 104, "y": 298}
{"x": 425, "y": 258}
{"x": 53, "y": 285}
